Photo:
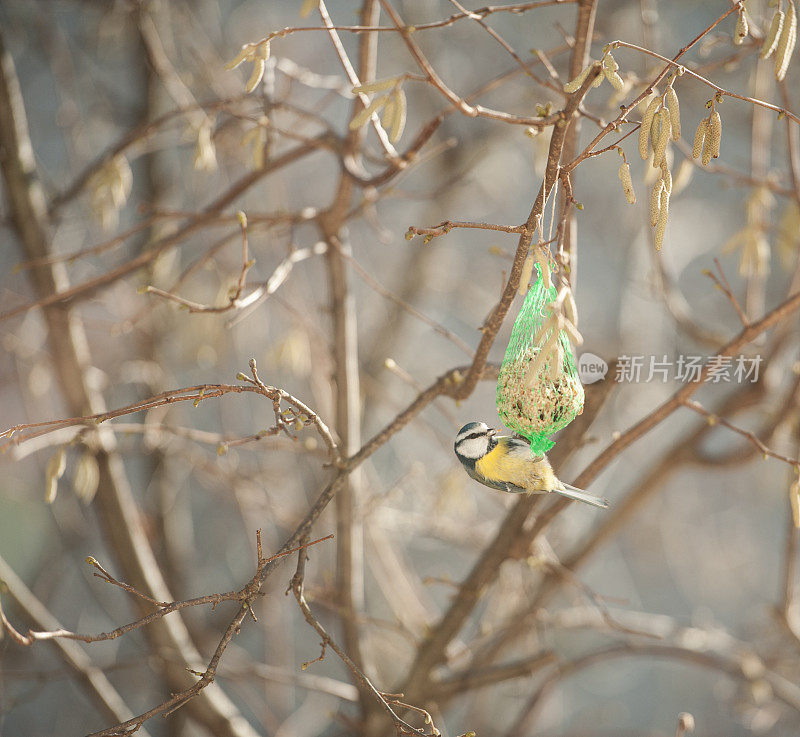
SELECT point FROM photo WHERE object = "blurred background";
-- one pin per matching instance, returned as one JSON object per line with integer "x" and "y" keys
{"x": 678, "y": 599}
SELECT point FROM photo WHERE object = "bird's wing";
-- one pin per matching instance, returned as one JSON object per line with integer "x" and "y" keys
{"x": 520, "y": 448}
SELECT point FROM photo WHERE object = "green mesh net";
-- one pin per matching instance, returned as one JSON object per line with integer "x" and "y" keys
{"x": 537, "y": 401}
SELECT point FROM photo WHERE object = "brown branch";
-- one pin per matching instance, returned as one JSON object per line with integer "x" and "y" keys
{"x": 459, "y": 103}
{"x": 68, "y": 344}
{"x": 726, "y": 663}
{"x": 100, "y": 690}
{"x": 131, "y": 138}
{"x": 410, "y": 309}
{"x": 721, "y": 282}
{"x": 479, "y": 19}
{"x": 622, "y": 117}
{"x": 559, "y": 570}
{"x": 401, "y": 726}
{"x": 471, "y": 679}
{"x": 719, "y": 90}
{"x": 284, "y": 419}
{"x": 447, "y": 225}
{"x": 245, "y": 594}
{"x": 276, "y": 280}
{"x": 495, "y": 320}
{"x": 479, "y": 14}
{"x": 642, "y": 427}
{"x": 235, "y": 300}
{"x": 89, "y": 288}
{"x": 714, "y": 419}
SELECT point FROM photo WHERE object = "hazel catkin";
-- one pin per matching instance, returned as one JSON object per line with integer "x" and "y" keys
{"x": 699, "y": 138}
{"x": 786, "y": 42}
{"x": 644, "y": 130}
{"x": 674, "y": 113}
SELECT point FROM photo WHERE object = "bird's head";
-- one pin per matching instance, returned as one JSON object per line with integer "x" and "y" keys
{"x": 474, "y": 441}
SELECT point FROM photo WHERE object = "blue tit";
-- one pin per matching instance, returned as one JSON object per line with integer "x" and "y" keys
{"x": 506, "y": 463}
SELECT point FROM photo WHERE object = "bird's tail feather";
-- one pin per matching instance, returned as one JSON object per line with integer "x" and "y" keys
{"x": 580, "y": 495}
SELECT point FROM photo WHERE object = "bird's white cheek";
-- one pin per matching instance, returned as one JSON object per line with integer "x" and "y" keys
{"x": 473, "y": 448}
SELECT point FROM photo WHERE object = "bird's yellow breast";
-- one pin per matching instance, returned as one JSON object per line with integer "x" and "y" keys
{"x": 499, "y": 465}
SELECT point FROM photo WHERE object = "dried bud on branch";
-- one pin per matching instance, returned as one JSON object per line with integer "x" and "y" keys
{"x": 205, "y": 157}
{"x": 87, "y": 477}
{"x": 544, "y": 266}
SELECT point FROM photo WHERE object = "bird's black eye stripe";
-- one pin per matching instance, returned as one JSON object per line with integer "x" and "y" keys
{"x": 474, "y": 435}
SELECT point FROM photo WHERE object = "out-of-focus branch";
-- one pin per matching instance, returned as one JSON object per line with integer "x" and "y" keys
{"x": 482, "y": 678}
{"x": 458, "y": 103}
{"x": 791, "y": 146}
{"x": 131, "y": 138}
{"x": 410, "y": 309}
{"x": 92, "y": 679}
{"x": 206, "y": 216}
{"x": 431, "y": 650}
{"x": 71, "y": 360}
{"x": 762, "y": 448}
{"x": 632, "y": 434}
{"x": 243, "y": 595}
{"x": 344, "y": 349}
{"x": 726, "y": 663}
{"x": 401, "y": 726}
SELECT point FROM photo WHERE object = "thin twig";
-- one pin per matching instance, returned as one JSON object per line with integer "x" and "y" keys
{"x": 724, "y": 286}
{"x": 719, "y": 90}
{"x": 401, "y": 726}
{"x": 163, "y": 608}
{"x": 761, "y": 447}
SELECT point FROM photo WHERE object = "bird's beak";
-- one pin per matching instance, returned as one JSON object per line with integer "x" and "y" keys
{"x": 493, "y": 431}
